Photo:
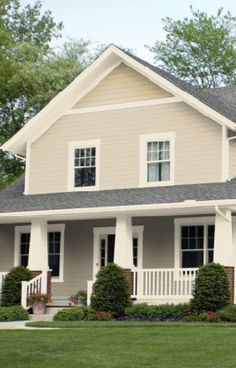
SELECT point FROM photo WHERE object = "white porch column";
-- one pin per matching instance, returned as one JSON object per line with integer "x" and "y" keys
{"x": 224, "y": 252}
{"x": 38, "y": 250}
{"x": 123, "y": 255}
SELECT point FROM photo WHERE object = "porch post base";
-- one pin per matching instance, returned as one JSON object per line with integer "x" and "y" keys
{"x": 230, "y": 274}
{"x": 129, "y": 275}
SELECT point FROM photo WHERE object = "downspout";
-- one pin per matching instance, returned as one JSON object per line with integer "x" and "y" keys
{"x": 20, "y": 157}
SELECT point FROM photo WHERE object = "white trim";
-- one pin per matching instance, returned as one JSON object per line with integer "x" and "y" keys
{"x": 27, "y": 168}
{"x": 111, "y": 210}
{"x": 51, "y": 228}
{"x": 101, "y": 67}
{"x": 71, "y": 149}
{"x": 185, "y": 222}
{"x": 99, "y": 231}
{"x": 224, "y": 155}
{"x": 144, "y": 139}
{"x": 124, "y": 105}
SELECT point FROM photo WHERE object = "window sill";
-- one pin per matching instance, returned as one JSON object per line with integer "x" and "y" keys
{"x": 83, "y": 189}
{"x": 57, "y": 279}
{"x": 157, "y": 184}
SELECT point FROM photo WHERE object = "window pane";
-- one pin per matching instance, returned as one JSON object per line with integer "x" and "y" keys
{"x": 210, "y": 256}
{"x": 153, "y": 172}
{"x": 110, "y": 247}
{"x": 135, "y": 252}
{"x": 184, "y": 231}
{"x": 184, "y": 243}
{"x": 211, "y": 236}
{"x": 192, "y": 259}
{"x": 165, "y": 171}
{"x": 85, "y": 177}
{"x": 54, "y": 263}
{"x": 24, "y": 261}
{"x": 103, "y": 253}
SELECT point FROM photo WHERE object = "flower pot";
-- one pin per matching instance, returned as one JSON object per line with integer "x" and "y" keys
{"x": 39, "y": 308}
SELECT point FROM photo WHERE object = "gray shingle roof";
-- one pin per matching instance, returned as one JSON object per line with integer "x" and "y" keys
{"x": 222, "y": 100}
{"x": 12, "y": 199}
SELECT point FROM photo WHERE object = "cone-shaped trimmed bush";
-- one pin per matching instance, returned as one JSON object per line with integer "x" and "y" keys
{"x": 111, "y": 290}
{"x": 211, "y": 290}
{"x": 11, "y": 291}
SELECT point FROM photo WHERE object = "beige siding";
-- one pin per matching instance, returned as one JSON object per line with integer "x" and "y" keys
{"x": 232, "y": 159}
{"x": 6, "y": 247}
{"x": 158, "y": 241}
{"x": 197, "y": 148}
{"x": 122, "y": 85}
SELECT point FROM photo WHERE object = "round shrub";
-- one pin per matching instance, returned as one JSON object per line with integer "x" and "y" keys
{"x": 70, "y": 314}
{"x": 228, "y": 313}
{"x": 11, "y": 290}
{"x": 111, "y": 290}
{"x": 211, "y": 290}
{"x": 15, "y": 313}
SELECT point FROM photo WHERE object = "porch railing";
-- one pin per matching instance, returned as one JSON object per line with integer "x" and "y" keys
{"x": 167, "y": 284}
{"x": 2, "y": 276}
{"x": 37, "y": 285}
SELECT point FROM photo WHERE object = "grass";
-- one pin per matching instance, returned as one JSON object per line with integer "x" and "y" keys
{"x": 110, "y": 345}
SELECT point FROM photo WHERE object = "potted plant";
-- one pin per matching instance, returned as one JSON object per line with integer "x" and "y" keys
{"x": 80, "y": 298}
{"x": 39, "y": 302}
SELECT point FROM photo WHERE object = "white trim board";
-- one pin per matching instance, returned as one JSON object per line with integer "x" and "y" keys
{"x": 87, "y": 80}
{"x": 124, "y": 105}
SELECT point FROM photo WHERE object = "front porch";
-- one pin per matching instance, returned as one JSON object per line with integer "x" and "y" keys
{"x": 160, "y": 253}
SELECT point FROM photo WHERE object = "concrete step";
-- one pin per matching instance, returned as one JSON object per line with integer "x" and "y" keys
{"x": 51, "y": 310}
{"x": 40, "y": 317}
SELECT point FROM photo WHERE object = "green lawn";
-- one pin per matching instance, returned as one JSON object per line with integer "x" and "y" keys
{"x": 108, "y": 345}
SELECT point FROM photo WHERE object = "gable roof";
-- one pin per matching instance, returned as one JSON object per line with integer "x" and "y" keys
{"x": 222, "y": 100}
{"x": 12, "y": 199}
{"x": 215, "y": 105}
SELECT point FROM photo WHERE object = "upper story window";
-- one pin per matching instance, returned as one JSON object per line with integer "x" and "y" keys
{"x": 157, "y": 159}
{"x": 84, "y": 159}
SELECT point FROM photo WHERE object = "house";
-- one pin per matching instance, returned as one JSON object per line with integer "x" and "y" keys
{"x": 127, "y": 164}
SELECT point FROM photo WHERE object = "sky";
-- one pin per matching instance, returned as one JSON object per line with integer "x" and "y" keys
{"x": 127, "y": 23}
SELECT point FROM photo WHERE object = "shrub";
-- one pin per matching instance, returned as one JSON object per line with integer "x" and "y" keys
{"x": 79, "y": 298}
{"x": 202, "y": 317}
{"x": 211, "y": 288}
{"x": 70, "y": 314}
{"x": 103, "y": 316}
{"x": 111, "y": 290}
{"x": 11, "y": 290}
{"x": 15, "y": 313}
{"x": 161, "y": 312}
{"x": 228, "y": 313}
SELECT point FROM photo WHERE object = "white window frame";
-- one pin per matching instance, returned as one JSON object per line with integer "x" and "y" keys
{"x": 83, "y": 144}
{"x": 155, "y": 137}
{"x": 198, "y": 221}
{"x": 99, "y": 231}
{"x": 51, "y": 228}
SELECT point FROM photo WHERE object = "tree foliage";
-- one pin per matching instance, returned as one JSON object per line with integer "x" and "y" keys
{"x": 200, "y": 49}
{"x": 31, "y": 72}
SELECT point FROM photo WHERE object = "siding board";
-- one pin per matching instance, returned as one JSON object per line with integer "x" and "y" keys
{"x": 197, "y": 147}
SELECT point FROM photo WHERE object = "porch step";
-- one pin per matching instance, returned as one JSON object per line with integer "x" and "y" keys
{"x": 59, "y": 301}
{"x": 51, "y": 310}
{"x": 40, "y": 317}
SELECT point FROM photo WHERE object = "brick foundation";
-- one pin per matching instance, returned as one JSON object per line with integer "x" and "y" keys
{"x": 129, "y": 275}
{"x": 49, "y": 284}
{"x": 230, "y": 274}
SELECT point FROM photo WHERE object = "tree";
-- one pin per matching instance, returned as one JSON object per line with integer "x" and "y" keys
{"x": 31, "y": 72}
{"x": 200, "y": 50}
